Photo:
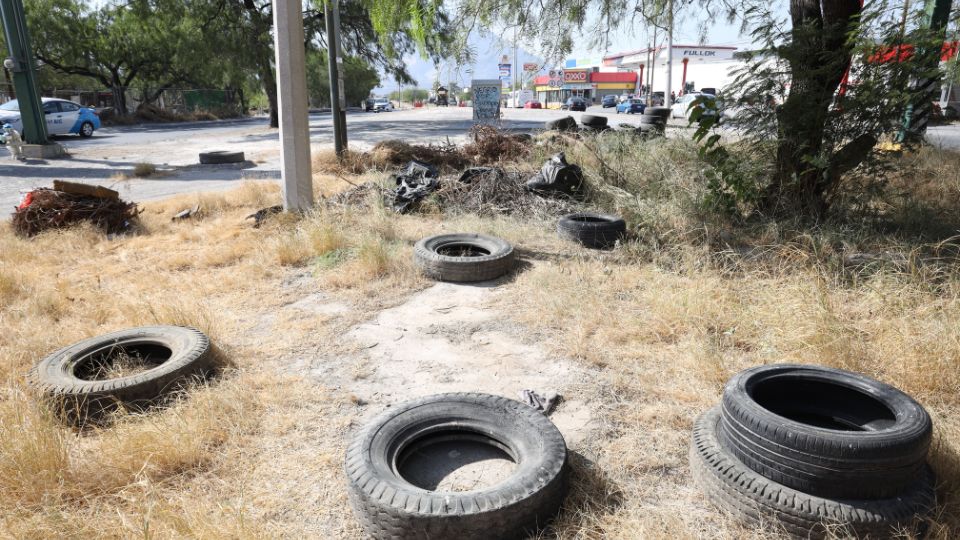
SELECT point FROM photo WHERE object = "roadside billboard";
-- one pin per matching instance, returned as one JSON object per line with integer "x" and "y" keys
{"x": 486, "y": 100}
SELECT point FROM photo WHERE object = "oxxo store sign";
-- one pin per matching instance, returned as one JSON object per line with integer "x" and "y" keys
{"x": 574, "y": 77}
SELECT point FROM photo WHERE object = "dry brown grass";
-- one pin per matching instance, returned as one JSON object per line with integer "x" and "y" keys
{"x": 665, "y": 318}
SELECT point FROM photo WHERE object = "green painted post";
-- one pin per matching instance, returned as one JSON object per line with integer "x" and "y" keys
{"x": 936, "y": 13}
{"x": 24, "y": 76}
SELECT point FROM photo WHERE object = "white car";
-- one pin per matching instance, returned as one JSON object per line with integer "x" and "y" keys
{"x": 682, "y": 107}
{"x": 63, "y": 117}
{"x": 382, "y": 105}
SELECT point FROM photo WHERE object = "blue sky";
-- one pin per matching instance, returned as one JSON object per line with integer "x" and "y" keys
{"x": 490, "y": 49}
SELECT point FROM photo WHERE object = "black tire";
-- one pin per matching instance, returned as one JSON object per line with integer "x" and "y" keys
{"x": 754, "y": 499}
{"x": 391, "y": 508}
{"x": 86, "y": 130}
{"x": 596, "y": 231}
{"x": 652, "y": 120}
{"x": 662, "y": 112}
{"x": 221, "y": 157}
{"x": 593, "y": 121}
{"x": 485, "y": 257}
{"x": 566, "y": 123}
{"x": 67, "y": 377}
{"x": 825, "y": 431}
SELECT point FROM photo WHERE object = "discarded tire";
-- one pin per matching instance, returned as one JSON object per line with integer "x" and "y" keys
{"x": 221, "y": 157}
{"x": 754, "y": 499}
{"x": 463, "y": 257}
{"x": 651, "y": 119}
{"x": 662, "y": 112}
{"x": 592, "y": 230}
{"x": 593, "y": 121}
{"x": 78, "y": 382}
{"x": 825, "y": 431}
{"x": 566, "y": 123}
{"x": 391, "y": 508}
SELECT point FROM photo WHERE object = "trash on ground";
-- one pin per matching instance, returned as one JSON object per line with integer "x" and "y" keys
{"x": 261, "y": 215}
{"x": 414, "y": 182}
{"x": 542, "y": 402}
{"x": 44, "y": 209}
{"x": 492, "y": 145}
{"x": 557, "y": 176}
{"x": 470, "y": 173}
{"x": 85, "y": 189}
{"x": 491, "y": 191}
{"x": 186, "y": 214}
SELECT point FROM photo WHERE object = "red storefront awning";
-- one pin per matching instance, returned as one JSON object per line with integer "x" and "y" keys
{"x": 902, "y": 53}
{"x": 614, "y": 77}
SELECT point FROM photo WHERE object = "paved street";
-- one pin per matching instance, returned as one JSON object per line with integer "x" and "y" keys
{"x": 173, "y": 148}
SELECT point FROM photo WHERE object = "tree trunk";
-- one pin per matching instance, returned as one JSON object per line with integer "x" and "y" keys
{"x": 270, "y": 88}
{"x": 818, "y": 54}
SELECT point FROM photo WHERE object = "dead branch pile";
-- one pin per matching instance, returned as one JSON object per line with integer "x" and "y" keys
{"x": 358, "y": 196}
{"x": 48, "y": 209}
{"x": 491, "y": 145}
{"x": 394, "y": 153}
{"x": 498, "y": 192}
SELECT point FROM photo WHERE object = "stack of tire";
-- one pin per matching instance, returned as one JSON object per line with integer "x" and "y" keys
{"x": 594, "y": 123}
{"x": 816, "y": 451}
{"x": 567, "y": 123}
{"x": 653, "y": 121}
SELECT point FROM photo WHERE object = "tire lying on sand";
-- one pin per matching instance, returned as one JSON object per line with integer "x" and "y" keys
{"x": 392, "y": 508}
{"x": 596, "y": 231}
{"x": 594, "y": 121}
{"x": 566, "y": 123}
{"x": 221, "y": 157}
{"x": 82, "y": 381}
{"x": 463, "y": 257}
{"x": 754, "y": 499}
{"x": 825, "y": 431}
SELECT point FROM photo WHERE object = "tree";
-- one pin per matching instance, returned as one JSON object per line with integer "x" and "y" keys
{"x": 359, "y": 78}
{"x": 819, "y": 132}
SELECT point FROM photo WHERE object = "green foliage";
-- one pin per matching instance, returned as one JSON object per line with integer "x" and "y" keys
{"x": 359, "y": 78}
{"x": 410, "y": 94}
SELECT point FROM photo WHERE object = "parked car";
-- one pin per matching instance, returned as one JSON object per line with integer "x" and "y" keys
{"x": 368, "y": 105}
{"x": 382, "y": 105}
{"x": 533, "y": 104}
{"x": 63, "y": 117}
{"x": 609, "y": 101}
{"x": 575, "y": 104}
{"x": 631, "y": 106}
{"x": 657, "y": 99}
{"x": 685, "y": 105}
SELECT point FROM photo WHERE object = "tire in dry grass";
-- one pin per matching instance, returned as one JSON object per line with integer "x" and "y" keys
{"x": 754, "y": 499}
{"x": 392, "y": 508}
{"x": 463, "y": 257}
{"x": 597, "y": 231}
{"x": 662, "y": 112}
{"x": 566, "y": 123}
{"x": 825, "y": 431}
{"x": 85, "y": 380}
{"x": 594, "y": 121}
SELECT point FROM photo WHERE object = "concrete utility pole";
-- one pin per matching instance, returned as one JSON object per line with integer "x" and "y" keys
{"x": 292, "y": 96}
{"x": 666, "y": 95}
{"x": 936, "y": 13}
{"x": 338, "y": 100}
{"x": 21, "y": 63}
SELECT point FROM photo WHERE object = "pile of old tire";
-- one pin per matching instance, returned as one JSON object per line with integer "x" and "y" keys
{"x": 567, "y": 123}
{"x": 76, "y": 380}
{"x": 597, "y": 231}
{"x": 818, "y": 451}
{"x": 594, "y": 123}
{"x": 463, "y": 257}
{"x": 389, "y": 507}
{"x": 221, "y": 157}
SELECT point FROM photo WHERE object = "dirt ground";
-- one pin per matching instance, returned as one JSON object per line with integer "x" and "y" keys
{"x": 326, "y": 323}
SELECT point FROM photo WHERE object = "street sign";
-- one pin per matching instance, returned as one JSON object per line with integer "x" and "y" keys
{"x": 504, "y": 71}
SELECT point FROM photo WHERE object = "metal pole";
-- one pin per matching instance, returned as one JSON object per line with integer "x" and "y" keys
{"x": 24, "y": 76}
{"x": 292, "y": 99}
{"x": 340, "y": 72}
{"x": 336, "y": 85}
{"x": 666, "y": 95}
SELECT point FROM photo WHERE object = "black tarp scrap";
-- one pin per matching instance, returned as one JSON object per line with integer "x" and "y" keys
{"x": 415, "y": 182}
{"x": 557, "y": 176}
